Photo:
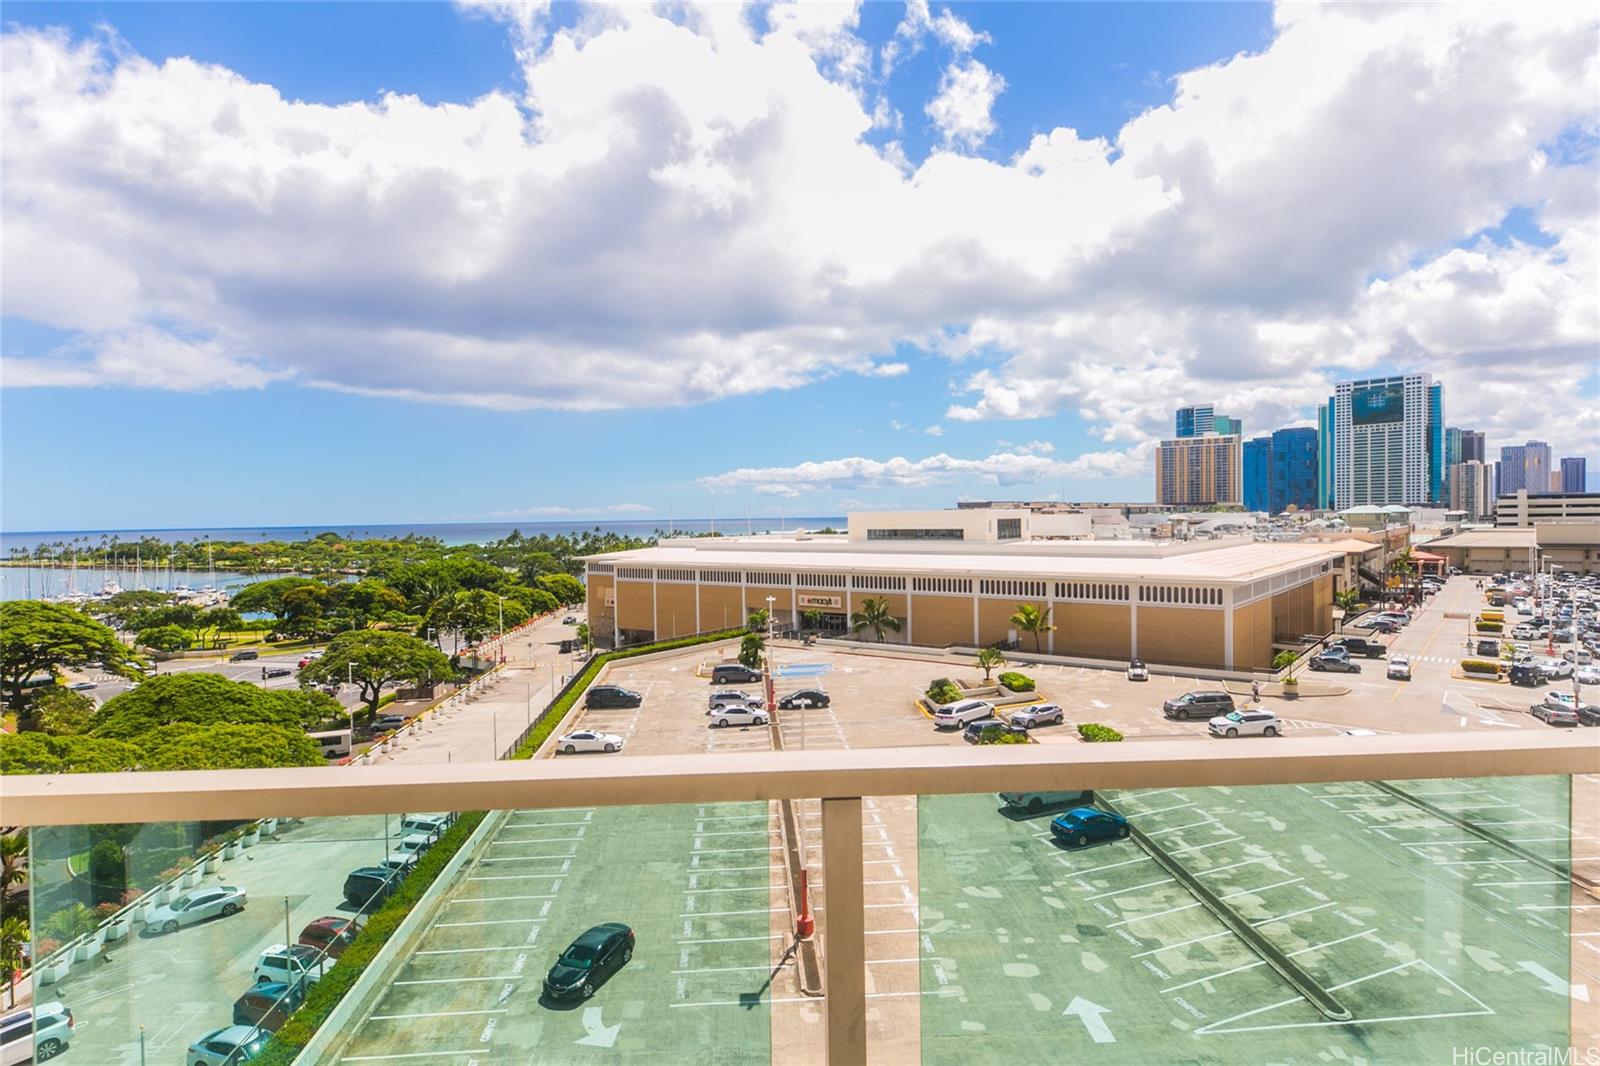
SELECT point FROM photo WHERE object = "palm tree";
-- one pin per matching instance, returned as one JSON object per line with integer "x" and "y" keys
{"x": 757, "y": 622}
{"x": 1347, "y": 599}
{"x": 13, "y": 934}
{"x": 990, "y": 659}
{"x": 1031, "y": 618}
{"x": 14, "y": 871}
{"x": 874, "y": 615}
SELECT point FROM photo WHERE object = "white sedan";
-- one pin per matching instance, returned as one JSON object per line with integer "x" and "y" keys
{"x": 735, "y": 715}
{"x": 196, "y": 905}
{"x": 1587, "y": 675}
{"x": 588, "y": 740}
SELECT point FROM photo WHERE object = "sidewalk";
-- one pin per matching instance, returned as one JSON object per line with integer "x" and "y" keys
{"x": 479, "y": 727}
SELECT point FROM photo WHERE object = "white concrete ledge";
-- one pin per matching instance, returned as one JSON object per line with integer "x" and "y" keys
{"x": 78, "y": 799}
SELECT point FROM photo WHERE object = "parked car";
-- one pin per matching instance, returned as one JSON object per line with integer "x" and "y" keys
{"x": 244, "y": 656}
{"x": 1553, "y": 669}
{"x": 1552, "y": 715}
{"x": 1578, "y": 656}
{"x": 196, "y": 905}
{"x": 415, "y": 843}
{"x": 385, "y": 722}
{"x": 596, "y": 955}
{"x": 1034, "y": 802}
{"x": 728, "y": 695}
{"x": 83, "y": 686}
{"x": 1525, "y": 673}
{"x": 433, "y": 824}
{"x": 588, "y": 740}
{"x": 1587, "y": 675}
{"x": 607, "y": 696}
{"x": 1399, "y": 668}
{"x": 1341, "y": 664}
{"x": 275, "y": 671}
{"x": 369, "y": 886}
{"x": 975, "y": 730}
{"x": 806, "y": 697}
{"x": 295, "y": 964}
{"x": 1246, "y": 724}
{"x": 268, "y": 1005}
{"x": 733, "y": 674}
{"x": 1372, "y": 649}
{"x": 330, "y": 934}
{"x": 951, "y": 715}
{"x": 1042, "y": 714}
{"x": 1138, "y": 671}
{"x": 1557, "y": 698}
{"x": 733, "y": 714}
{"x": 570, "y": 620}
{"x": 308, "y": 658}
{"x": 1082, "y": 826}
{"x": 1197, "y": 705}
{"x": 228, "y": 1046}
{"x": 35, "y": 1033}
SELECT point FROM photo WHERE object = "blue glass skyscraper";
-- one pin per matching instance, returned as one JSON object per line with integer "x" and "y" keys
{"x": 1293, "y": 475}
{"x": 1256, "y": 478}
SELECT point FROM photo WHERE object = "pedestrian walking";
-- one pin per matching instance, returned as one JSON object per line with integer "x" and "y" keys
{"x": 1255, "y": 691}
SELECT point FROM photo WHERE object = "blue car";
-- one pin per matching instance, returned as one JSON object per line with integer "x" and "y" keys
{"x": 1082, "y": 826}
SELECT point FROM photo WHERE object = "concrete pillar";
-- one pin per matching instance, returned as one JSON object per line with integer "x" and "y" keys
{"x": 845, "y": 943}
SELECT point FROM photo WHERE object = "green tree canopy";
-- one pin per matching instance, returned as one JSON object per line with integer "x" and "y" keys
{"x": 374, "y": 658}
{"x": 208, "y": 699}
{"x": 266, "y": 597}
{"x": 37, "y": 636}
{"x": 36, "y": 753}
{"x": 228, "y": 747}
{"x": 62, "y": 712}
{"x": 564, "y": 587}
{"x": 164, "y": 638}
{"x": 357, "y": 604}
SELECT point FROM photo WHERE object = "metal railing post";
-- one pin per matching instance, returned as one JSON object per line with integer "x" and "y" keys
{"x": 844, "y": 946}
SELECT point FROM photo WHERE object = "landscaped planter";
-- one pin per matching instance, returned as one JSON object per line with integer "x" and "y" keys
{"x": 270, "y": 827}
{"x": 231, "y": 850}
{"x": 89, "y": 946}
{"x": 171, "y": 891}
{"x": 252, "y": 838}
{"x": 146, "y": 909}
{"x": 191, "y": 879}
{"x": 54, "y": 970}
{"x": 211, "y": 862}
{"x": 116, "y": 929}
{"x": 1291, "y": 692}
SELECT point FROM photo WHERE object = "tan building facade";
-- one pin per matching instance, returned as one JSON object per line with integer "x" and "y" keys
{"x": 1225, "y": 608}
{"x": 1200, "y": 471}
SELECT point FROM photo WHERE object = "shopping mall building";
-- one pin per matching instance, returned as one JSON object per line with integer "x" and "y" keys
{"x": 954, "y": 579}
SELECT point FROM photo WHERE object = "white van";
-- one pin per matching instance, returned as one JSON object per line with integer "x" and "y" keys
{"x": 428, "y": 824}
{"x": 953, "y": 715}
{"x": 1034, "y": 802}
{"x": 335, "y": 743}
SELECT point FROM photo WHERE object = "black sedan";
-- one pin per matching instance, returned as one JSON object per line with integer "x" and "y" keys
{"x": 806, "y": 697}
{"x": 588, "y": 961}
{"x": 977, "y": 731}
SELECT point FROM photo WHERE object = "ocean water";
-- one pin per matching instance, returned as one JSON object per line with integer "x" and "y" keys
{"x": 447, "y": 532}
{"x": 36, "y": 582}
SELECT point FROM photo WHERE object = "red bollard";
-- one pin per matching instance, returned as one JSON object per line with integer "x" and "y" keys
{"x": 805, "y": 924}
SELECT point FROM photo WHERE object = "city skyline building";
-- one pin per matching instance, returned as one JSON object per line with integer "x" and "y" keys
{"x": 1525, "y": 466}
{"x": 1325, "y": 455}
{"x": 1574, "y": 473}
{"x": 1389, "y": 441}
{"x": 1199, "y": 471}
{"x": 1194, "y": 421}
{"x": 1472, "y": 489}
{"x": 1224, "y": 426}
{"x": 1256, "y": 474}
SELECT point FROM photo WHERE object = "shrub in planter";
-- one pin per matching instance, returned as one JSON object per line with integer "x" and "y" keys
{"x": 1017, "y": 682}
{"x": 1480, "y": 666}
{"x": 1490, "y": 627}
{"x": 1098, "y": 734}
{"x": 996, "y": 735}
{"x": 943, "y": 690}
{"x": 1282, "y": 659}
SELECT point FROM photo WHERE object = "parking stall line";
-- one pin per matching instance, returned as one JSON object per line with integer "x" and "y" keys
{"x": 1175, "y": 828}
{"x": 487, "y": 921}
{"x": 500, "y": 899}
{"x": 471, "y": 951}
{"x": 1130, "y": 888}
{"x": 436, "y": 1014}
{"x": 732, "y": 939}
{"x": 453, "y": 980}
{"x": 410, "y": 1055}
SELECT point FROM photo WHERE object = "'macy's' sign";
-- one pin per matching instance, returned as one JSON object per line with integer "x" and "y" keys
{"x": 820, "y": 601}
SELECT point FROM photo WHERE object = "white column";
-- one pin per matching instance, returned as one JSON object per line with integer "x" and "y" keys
{"x": 1227, "y": 628}
{"x": 1133, "y": 621}
{"x": 975, "y": 613}
{"x": 909, "y": 633}
{"x": 697, "y": 627}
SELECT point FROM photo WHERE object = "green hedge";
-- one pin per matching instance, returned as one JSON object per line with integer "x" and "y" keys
{"x": 325, "y": 995}
{"x": 1480, "y": 666}
{"x": 1016, "y": 682}
{"x": 942, "y": 690}
{"x": 558, "y": 710}
{"x": 1095, "y": 733}
{"x": 1490, "y": 627}
{"x": 995, "y": 735}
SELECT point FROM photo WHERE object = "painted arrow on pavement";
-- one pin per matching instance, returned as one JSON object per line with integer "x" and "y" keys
{"x": 1556, "y": 984}
{"x": 1090, "y": 1014}
{"x": 599, "y": 1034}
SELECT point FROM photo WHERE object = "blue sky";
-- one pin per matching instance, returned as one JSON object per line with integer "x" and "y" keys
{"x": 97, "y": 441}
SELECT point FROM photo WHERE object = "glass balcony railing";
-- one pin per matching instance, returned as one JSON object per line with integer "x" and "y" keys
{"x": 1360, "y": 920}
{"x": 1190, "y": 904}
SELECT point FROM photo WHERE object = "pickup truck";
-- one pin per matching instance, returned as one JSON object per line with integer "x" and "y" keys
{"x": 1359, "y": 646}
